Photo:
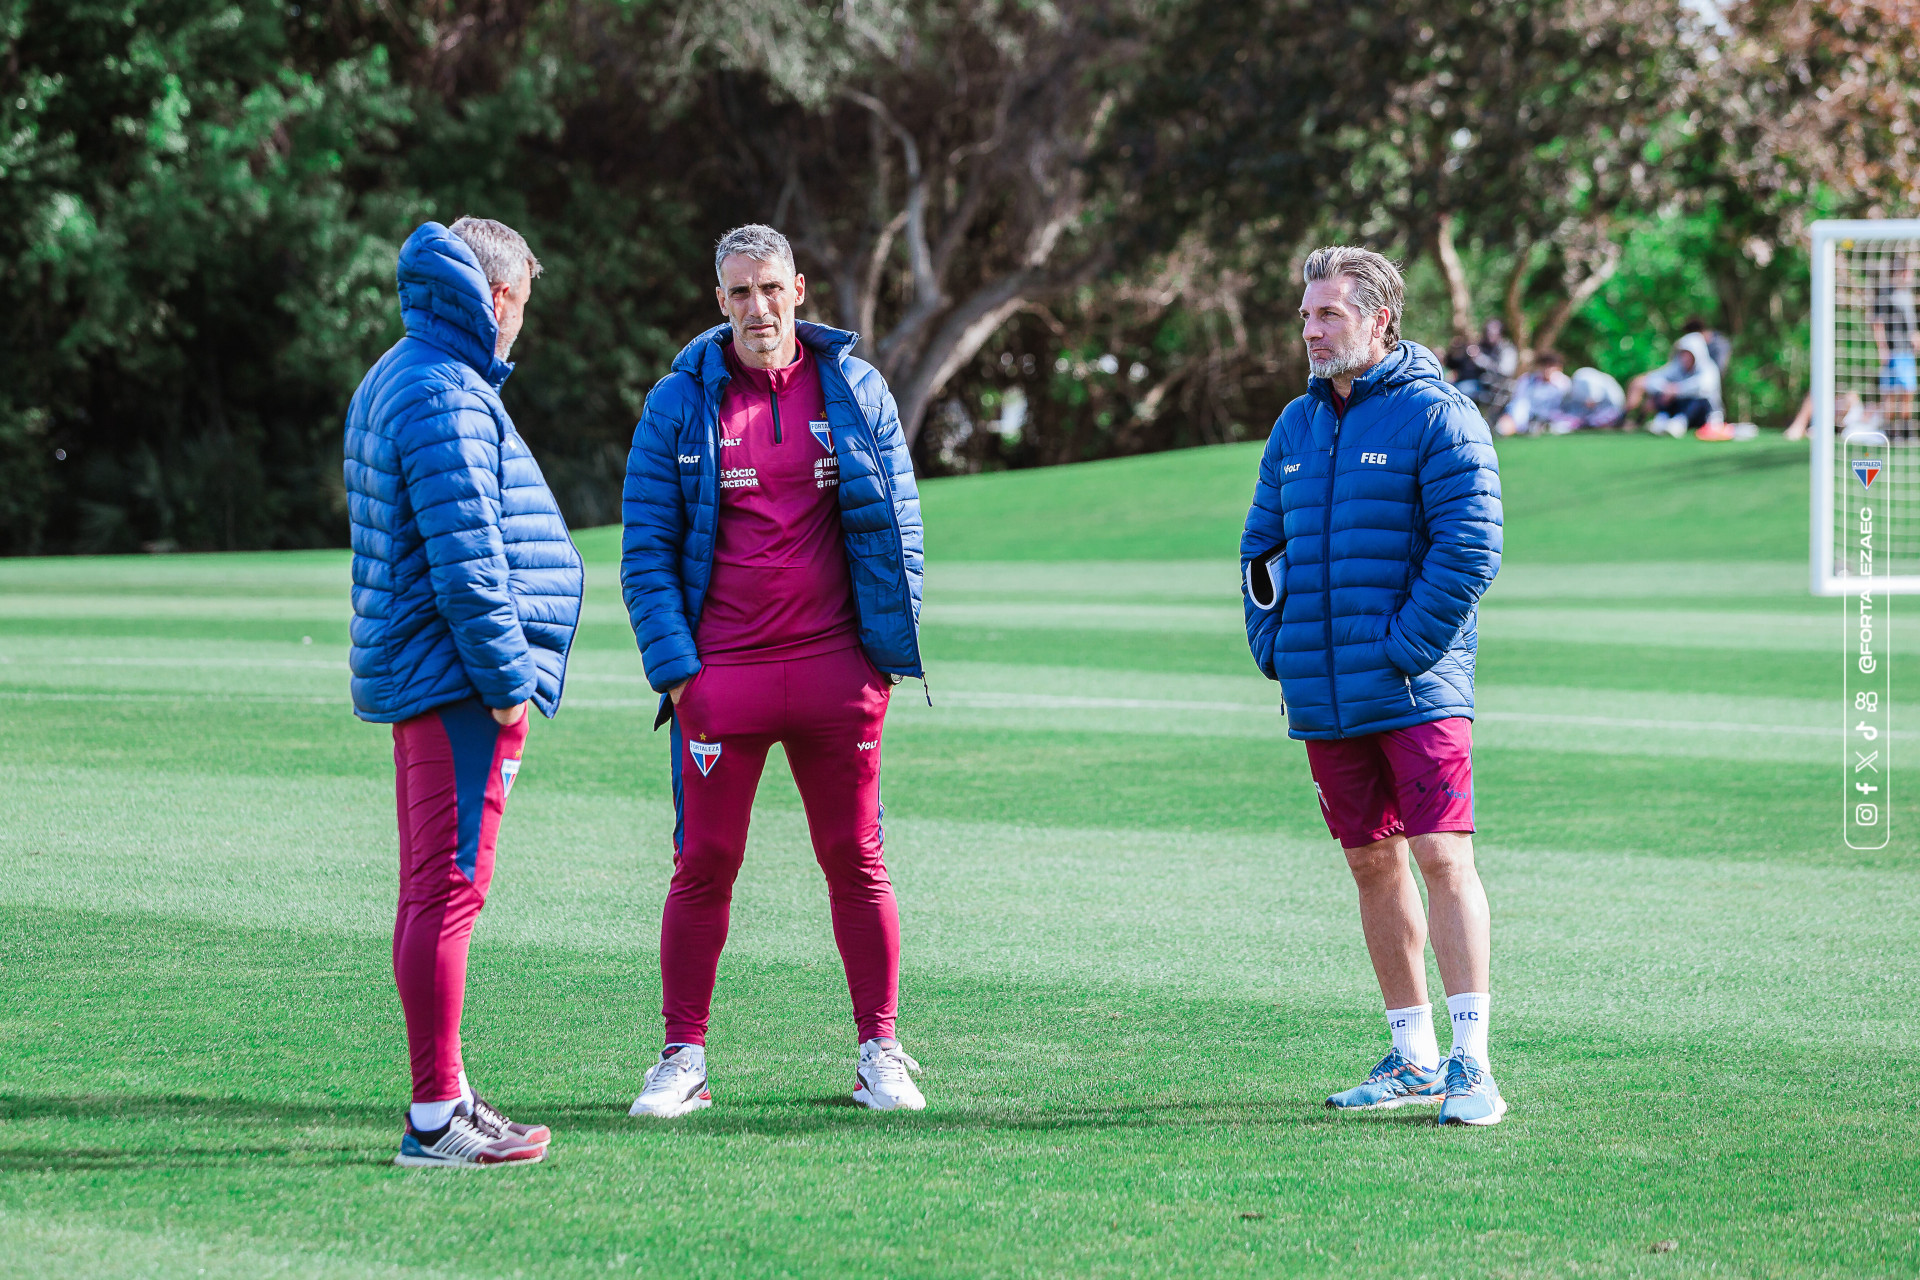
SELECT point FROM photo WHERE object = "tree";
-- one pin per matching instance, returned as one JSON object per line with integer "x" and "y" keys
{"x": 931, "y": 156}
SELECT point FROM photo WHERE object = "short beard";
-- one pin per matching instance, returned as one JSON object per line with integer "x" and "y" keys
{"x": 1345, "y": 360}
{"x": 768, "y": 345}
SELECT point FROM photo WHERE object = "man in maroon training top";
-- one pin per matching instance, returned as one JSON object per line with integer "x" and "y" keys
{"x": 772, "y": 550}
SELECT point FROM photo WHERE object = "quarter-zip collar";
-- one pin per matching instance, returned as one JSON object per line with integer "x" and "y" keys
{"x": 704, "y": 359}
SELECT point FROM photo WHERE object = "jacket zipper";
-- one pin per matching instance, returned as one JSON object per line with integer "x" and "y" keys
{"x": 773, "y": 398}
{"x": 1326, "y": 565}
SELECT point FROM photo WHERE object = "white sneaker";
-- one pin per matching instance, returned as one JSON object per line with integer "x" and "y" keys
{"x": 1667, "y": 424}
{"x": 675, "y": 1085}
{"x": 882, "y": 1082}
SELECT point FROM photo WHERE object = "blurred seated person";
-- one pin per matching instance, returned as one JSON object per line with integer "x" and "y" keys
{"x": 1483, "y": 369}
{"x": 1536, "y": 397}
{"x": 1684, "y": 393}
{"x": 1593, "y": 400}
{"x": 1718, "y": 344}
{"x": 1546, "y": 399}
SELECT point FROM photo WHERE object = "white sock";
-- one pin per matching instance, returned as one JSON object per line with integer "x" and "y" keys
{"x": 428, "y": 1116}
{"x": 1469, "y": 1012}
{"x": 1412, "y": 1030}
{"x": 466, "y": 1090}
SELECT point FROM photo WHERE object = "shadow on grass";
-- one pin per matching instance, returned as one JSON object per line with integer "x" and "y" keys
{"x": 817, "y": 1115}
{"x": 170, "y": 1124}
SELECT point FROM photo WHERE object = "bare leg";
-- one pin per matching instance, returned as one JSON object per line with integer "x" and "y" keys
{"x": 1636, "y": 390}
{"x": 1456, "y": 912}
{"x": 1391, "y": 919}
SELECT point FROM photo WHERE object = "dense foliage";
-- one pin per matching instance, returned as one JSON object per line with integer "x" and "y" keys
{"x": 1068, "y": 230}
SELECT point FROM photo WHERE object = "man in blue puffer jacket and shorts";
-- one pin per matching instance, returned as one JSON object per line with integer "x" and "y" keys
{"x": 466, "y": 593}
{"x": 1374, "y": 531}
{"x": 771, "y": 566}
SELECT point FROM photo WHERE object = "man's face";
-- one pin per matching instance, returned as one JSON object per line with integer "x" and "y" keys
{"x": 510, "y": 311}
{"x": 1340, "y": 338}
{"x": 1685, "y": 357}
{"x": 759, "y": 299}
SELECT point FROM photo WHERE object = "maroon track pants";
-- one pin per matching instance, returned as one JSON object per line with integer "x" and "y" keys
{"x": 828, "y": 713}
{"x": 452, "y": 768}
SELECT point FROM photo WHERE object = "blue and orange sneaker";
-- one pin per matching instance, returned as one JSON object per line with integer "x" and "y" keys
{"x": 1472, "y": 1096}
{"x": 1394, "y": 1083}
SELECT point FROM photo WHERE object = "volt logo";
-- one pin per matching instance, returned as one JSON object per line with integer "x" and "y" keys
{"x": 822, "y": 432}
{"x": 1290, "y": 468}
{"x": 706, "y": 755}
{"x": 1865, "y": 469}
{"x": 509, "y": 770}
{"x": 688, "y": 459}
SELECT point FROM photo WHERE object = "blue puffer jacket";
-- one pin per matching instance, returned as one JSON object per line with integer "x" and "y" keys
{"x": 1369, "y": 544}
{"x": 673, "y": 496}
{"x": 465, "y": 582}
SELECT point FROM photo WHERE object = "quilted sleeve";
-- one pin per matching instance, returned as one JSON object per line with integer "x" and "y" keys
{"x": 655, "y": 529}
{"x": 898, "y": 459}
{"x": 450, "y": 463}
{"x": 1460, "y": 498}
{"x": 1263, "y": 545}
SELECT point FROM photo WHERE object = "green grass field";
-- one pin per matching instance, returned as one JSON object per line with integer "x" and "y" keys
{"x": 1132, "y": 964}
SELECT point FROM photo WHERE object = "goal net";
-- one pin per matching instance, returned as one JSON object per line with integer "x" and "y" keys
{"x": 1866, "y": 404}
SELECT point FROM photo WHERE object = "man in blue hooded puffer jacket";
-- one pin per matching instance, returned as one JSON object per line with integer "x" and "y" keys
{"x": 1375, "y": 529}
{"x": 771, "y": 566}
{"x": 466, "y": 593}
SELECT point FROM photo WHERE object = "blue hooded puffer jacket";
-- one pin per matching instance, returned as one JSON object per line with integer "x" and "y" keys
{"x": 1370, "y": 542}
{"x": 465, "y": 581}
{"x": 672, "y": 500}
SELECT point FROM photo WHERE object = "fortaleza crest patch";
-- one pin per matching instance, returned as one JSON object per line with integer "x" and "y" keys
{"x": 509, "y": 770}
{"x": 822, "y": 432}
{"x": 1866, "y": 469}
{"x": 706, "y": 755}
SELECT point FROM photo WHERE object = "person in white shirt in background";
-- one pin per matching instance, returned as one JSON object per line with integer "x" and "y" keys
{"x": 1684, "y": 393}
{"x": 1536, "y": 397}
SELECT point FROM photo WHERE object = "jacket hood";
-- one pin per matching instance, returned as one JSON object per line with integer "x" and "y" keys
{"x": 1695, "y": 345}
{"x": 703, "y": 358}
{"x": 1408, "y": 362}
{"x": 445, "y": 300}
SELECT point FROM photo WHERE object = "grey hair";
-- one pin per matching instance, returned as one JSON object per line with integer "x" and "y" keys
{"x": 502, "y": 251}
{"x": 755, "y": 240}
{"x": 1376, "y": 281}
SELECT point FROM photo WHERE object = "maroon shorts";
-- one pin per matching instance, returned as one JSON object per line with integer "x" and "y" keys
{"x": 1413, "y": 782}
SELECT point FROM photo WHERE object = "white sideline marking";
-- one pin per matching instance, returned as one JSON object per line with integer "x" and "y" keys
{"x": 1046, "y": 701}
{"x": 982, "y": 700}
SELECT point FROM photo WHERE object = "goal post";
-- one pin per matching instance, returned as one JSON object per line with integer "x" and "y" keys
{"x": 1866, "y": 403}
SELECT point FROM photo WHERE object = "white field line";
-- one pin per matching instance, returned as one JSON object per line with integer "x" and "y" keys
{"x": 981, "y": 700}
{"x": 1043, "y": 701}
